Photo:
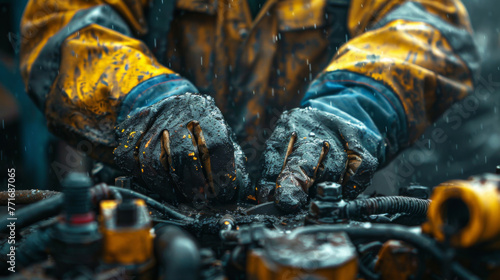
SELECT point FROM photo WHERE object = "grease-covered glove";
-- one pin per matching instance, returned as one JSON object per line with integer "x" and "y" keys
{"x": 182, "y": 146}
{"x": 343, "y": 135}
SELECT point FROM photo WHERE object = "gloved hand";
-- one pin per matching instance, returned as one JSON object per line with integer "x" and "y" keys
{"x": 182, "y": 146}
{"x": 309, "y": 146}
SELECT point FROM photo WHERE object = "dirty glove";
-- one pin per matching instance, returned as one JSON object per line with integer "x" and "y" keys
{"x": 182, "y": 146}
{"x": 342, "y": 136}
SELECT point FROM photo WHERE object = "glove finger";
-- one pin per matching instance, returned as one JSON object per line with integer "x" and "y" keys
{"x": 180, "y": 159}
{"x": 333, "y": 166}
{"x": 242, "y": 177}
{"x": 153, "y": 170}
{"x": 290, "y": 124}
{"x": 273, "y": 162}
{"x": 217, "y": 156}
{"x": 361, "y": 166}
{"x": 299, "y": 173}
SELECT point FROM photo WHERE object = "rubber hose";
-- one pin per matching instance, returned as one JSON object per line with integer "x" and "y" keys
{"x": 167, "y": 210}
{"x": 33, "y": 213}
{"x": 388, "y": 205}
{"x": 177, "y": 254}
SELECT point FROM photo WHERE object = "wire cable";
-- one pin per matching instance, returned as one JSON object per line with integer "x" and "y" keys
{"x": 165, "y": 209}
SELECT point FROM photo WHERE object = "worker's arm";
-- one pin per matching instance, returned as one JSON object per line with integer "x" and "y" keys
{"x": 79, "y": 61}
{"x": 407, "y": 62}
{"x": 85, "y": 70}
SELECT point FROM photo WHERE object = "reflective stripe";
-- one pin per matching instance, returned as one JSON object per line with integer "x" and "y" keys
{"x": 46, "y": 66}
{"x": 460, "y": 40}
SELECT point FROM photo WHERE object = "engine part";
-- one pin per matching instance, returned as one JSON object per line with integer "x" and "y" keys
{"x": 328, "y": 207}
{"x": 255, "y": 242}
{"x": 387, "y": 232}
{"x": 76, "y": 241}
{"x": 320, "y": 256}
{"x": 466, "y": 211}
{"x": 415, "y": 207}
{"x": 398, "y": 260}
{"x": 126, "y": 230}
{"x": 177, "y": 254}
{"x": 52, "y": 206}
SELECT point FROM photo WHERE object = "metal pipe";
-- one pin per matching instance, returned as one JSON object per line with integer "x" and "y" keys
{"x": 26, "y": 196}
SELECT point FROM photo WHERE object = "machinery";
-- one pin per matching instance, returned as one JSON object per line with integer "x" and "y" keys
{"x": 98, "y": 231}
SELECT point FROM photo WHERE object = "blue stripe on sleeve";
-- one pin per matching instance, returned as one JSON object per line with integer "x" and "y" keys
{"x": 359, "y": 97}
{"x": 152, "y": 91}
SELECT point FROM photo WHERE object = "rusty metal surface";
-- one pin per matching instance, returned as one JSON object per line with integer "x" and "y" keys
{"x": 26, "y": 196}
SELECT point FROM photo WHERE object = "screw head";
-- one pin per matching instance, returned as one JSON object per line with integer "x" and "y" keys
{"x": 123, "y": 182}
{"x": 329, "y": 191}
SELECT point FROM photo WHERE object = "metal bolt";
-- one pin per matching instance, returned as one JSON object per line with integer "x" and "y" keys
{"x": 329, "y": 191}
{"x": 123, "y": 182}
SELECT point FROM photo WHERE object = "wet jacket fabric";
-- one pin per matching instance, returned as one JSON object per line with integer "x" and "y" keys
{"x": 87, "y": 69}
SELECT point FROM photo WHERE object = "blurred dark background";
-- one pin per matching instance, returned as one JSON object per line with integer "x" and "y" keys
{"x": 470, "y": 129}
{"x": 468, "y": 142}
{"x": 39, "y": 158}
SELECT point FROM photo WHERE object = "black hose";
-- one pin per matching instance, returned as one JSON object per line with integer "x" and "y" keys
{"x": 177, "y": 254}
{"x": 33, "y": 213}
{"x": 388, "y": 205}
{"x": 102, "y": 191}
{"x": 367, "y": 273}
{"x": 387, "y": 232}
{"x": 167, "y": 210}
{"x": 116, "y": 195}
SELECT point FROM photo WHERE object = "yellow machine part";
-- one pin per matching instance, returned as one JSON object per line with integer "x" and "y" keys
{"x": 397, "y": 260}
{"x": 306, "y": 257}
{"x": 126, "y": 245}
{"x": 470, "y": 209}
{"x": 261, "y": 269}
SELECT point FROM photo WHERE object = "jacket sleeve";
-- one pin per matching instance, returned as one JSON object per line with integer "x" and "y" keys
{"x": 405, "y": 64}
{"x": 86, "y": 72}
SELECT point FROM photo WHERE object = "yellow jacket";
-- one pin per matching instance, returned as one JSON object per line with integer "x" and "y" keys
{"x": 80, "y": 59}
